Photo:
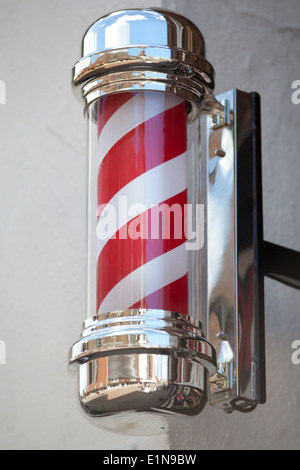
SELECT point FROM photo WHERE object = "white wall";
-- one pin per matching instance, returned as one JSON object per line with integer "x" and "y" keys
{"x": 253, "y": 46}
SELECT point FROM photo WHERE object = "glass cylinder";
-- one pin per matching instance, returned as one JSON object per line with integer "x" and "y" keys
{"x": 145, "y": 214}
{"x": 142, "y": 347}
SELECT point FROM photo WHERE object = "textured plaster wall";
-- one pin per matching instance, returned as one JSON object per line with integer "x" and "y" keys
{"x": 253, "y": 45}
{"x": 42, "y": 235}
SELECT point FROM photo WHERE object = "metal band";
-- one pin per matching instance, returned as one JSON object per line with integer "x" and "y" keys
{"x": 143, "y": 330}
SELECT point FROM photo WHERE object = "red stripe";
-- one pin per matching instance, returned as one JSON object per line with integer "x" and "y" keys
{"x": 108, "y": 105}
{"x": 121, "y": 256}
{"x": 142, "y": 149}
{"x": 172, "y": 297}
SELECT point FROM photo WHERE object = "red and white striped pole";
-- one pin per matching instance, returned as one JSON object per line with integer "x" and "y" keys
{"x": 142, "y": 146}
{"x": 143, "y": 102}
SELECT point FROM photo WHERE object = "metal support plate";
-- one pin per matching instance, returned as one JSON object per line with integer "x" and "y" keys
{"x": 235, "y": 237}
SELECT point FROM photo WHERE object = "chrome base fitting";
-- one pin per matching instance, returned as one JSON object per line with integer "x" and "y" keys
{"x": 143, "y": 361}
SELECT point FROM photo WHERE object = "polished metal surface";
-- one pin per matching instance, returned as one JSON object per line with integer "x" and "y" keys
{"x": 132, "y": 27}
{"x": 234, "y": 273}
{"x": 142, "y": 383}
{"x": 144, "y": 361}
{"x": 143, "y": 49}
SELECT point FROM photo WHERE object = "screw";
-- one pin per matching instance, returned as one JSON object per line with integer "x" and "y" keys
{"x": 220, "y": 153}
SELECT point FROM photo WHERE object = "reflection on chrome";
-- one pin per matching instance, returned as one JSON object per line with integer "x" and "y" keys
{"x": 172, "y": 386}
{"x": 118, "y": 54}
{"x": 162, "y": 354}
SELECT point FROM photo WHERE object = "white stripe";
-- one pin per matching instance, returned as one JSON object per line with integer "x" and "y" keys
{"x": 134, "y": 112}
{"x": 149, "y": 189}
{"x": 147, "y": 279}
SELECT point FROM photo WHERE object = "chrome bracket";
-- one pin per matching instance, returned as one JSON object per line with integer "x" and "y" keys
{"x": 220, "y": 113}
{"x": 235, "y": 313}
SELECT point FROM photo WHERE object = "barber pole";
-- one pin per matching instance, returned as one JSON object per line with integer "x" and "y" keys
{"x": 167, "y": 323}
{"x": 142, "y": 347}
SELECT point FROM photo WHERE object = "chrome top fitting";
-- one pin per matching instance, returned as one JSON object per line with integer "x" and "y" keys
{"x": 143, "y": 49}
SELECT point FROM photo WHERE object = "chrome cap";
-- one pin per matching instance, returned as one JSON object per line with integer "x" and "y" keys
{"x": 143, "y": 49}
{"x": 143, "y": 27}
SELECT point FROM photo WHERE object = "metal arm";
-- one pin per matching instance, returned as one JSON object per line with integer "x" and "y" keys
{"x": 281, "y": 264}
